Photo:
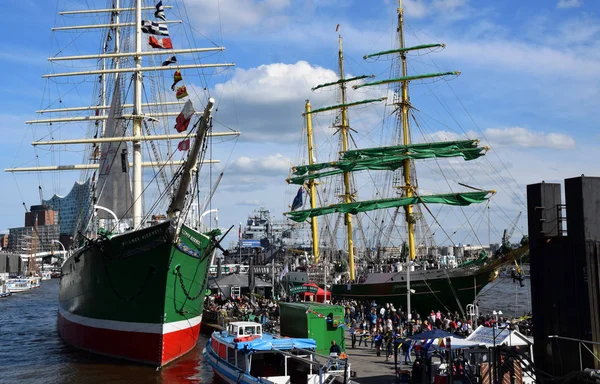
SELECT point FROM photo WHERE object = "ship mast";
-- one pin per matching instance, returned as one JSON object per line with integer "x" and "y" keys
{"x": 344, "y": 135}
{"x": 408, "y": 188}
{"x": 311, "y": 184}
{"x": 137, "y": 120}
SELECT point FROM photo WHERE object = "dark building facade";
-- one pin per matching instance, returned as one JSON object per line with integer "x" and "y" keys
{"x": 565, "y": 269}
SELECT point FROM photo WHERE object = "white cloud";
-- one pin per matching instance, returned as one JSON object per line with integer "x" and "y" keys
{"x": 253, "y": 203}
{"x": 526, "y": 138}
{"x": 569, "y": 4}
{"x": 267, "y": 102}
{"x": 522, "y": 57}
{"x": 420, "y": 8}
{"x": 415, "y": 8}
{"x": 238, "y": 15}
{"x": 271, "y": 165}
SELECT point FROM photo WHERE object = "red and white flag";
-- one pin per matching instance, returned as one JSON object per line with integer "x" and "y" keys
{"x": 164, "y": 43}
{"x": 184, "y": 145}
{"x": 183, "y": 119}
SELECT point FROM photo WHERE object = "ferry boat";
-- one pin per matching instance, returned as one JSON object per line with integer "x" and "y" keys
{"x": 18, "y": 284}
{"x": 242, "y": 353}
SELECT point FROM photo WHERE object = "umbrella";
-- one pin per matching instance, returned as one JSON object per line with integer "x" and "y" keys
{"x": 433, "y": 334}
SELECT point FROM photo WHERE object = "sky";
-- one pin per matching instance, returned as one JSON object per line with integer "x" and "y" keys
{"x": 529, "y": 89}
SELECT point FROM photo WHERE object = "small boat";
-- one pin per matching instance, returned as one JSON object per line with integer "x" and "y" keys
{"x": 244, "y": 354}
{"x": 46, "y": 275}
{"x": 18, "y": 284}
{"x": 35, "y": 281}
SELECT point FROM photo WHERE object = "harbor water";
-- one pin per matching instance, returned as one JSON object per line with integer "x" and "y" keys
{"x": 32, "y": 352}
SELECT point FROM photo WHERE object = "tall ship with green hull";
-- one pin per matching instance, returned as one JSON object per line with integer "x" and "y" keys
{"x": 134, "y": 284}
{"x": 406, "y": 278}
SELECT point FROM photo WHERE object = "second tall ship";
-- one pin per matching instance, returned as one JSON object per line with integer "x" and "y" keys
{"x": 397, "y": 191}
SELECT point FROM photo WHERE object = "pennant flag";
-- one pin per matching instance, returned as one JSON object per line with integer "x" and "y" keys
{"x": 154, "y": 28}
{"x": 297, "y": 203}
{"x": 160, "y": 11}
{"x": 176, "y": 79}
{"x": 240, "y": 232}
{"x": 160, "y": 43}
{"x": 170, "y": 60}
{"x": 181, "y": 92}
{"x": 184, "y": 145}
{"x": 284, "y": 272}
{"x": 183, "y": 119}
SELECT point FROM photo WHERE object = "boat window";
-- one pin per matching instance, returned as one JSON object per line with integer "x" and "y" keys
{"x": 241, "y": 360}
{"x": 250, "y": 330}
{"x": 231, "y": 356}
{"x": 241, "y": 331}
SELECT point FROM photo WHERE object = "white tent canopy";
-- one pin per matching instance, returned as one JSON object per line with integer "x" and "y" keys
{"x": 496, "y": 336}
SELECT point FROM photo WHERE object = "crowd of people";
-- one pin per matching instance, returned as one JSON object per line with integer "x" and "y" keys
{"x": 380, "y": 327}
{"x": 260, "y": 310}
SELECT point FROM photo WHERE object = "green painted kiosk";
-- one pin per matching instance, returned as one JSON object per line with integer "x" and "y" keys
{"x": 321, "y": 322}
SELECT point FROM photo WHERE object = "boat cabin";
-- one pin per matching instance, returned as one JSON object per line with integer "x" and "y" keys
{"x": 244, "y": 330}
{"x": 249, "y": 353}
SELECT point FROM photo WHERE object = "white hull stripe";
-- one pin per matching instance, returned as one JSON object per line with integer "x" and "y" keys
{"x": 127, "y": 326}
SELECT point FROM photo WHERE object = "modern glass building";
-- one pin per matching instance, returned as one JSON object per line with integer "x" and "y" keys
{"x": 74, "y": 208}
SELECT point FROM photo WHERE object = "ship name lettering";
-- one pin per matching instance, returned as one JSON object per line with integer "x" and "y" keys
{"x": 142, "y": 237}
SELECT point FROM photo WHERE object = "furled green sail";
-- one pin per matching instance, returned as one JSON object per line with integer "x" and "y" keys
{"x": 386, "y": 158}
{"x": 402, "y": 50}
{"x": 342, "y": 81}
{"x": 407, "y": 78}
{"x": 339, "y": 106}
{"x": 462, "y": 198}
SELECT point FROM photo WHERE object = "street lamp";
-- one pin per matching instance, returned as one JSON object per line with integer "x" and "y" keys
{"x": 496, "y": 314}
{"x": 216, "y": 211}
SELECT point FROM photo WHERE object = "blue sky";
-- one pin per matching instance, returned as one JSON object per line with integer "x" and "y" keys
{"x": 529, "y": 88}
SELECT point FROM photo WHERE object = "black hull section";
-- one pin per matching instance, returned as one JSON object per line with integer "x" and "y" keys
{"x": 445, "y": 290}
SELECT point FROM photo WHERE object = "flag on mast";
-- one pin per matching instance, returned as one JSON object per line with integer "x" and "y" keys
{"x": 284, "y": 272}
{"x": 160, "y": 11}
{"x": 176, "y": 79}
{"x": 160, "y": 43}
{"x": 155, "y": 28}
{"x": 183, "y": 119}
{"x": 184, "y": 145}
{"x": 170, "y": 60}
{"x": 297, "y": 203}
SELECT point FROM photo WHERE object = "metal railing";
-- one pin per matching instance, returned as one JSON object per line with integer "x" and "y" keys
{"x": 580, "y": 344}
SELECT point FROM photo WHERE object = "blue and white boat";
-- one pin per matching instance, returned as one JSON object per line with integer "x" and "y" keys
{"x": 19, "y": 284}
{"x": 244, "y": 354}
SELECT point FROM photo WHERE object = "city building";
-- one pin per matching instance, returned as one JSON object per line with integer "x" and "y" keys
{"x": 72, "y": 208}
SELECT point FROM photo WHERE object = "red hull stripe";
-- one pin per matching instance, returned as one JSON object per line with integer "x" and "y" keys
{"x": 148, "y": 348}
{"x": 127, "y": 326}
